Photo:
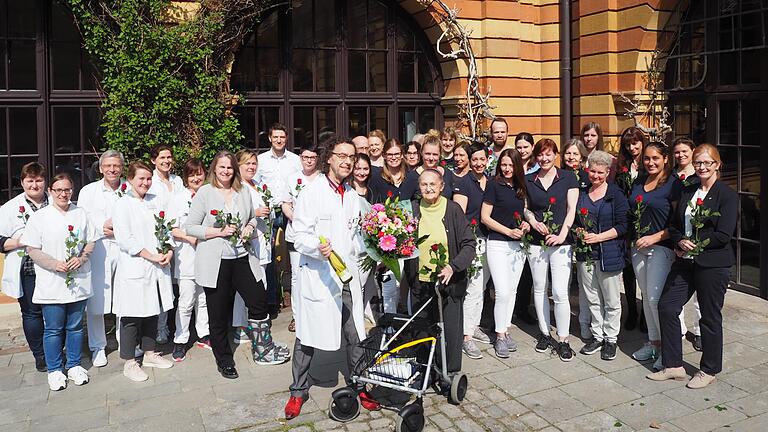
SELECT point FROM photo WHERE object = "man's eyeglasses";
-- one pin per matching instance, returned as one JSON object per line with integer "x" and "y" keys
{"x": 308, "y": 158}
{"x": 345, "y": 157}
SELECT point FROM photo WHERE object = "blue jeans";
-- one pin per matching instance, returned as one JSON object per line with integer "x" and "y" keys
{"x": 58, "y": 319}
{"x": 31, "y": 317}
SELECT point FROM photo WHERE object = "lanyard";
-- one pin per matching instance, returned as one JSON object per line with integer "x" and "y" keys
{"x": 338, "y": 188}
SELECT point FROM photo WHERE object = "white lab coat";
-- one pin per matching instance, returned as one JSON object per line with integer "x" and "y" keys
{"x": 160, "y": 190}
{"x": 291, "y": 195}
{"x": 98, "y": 200}
{"x": 321, "y": 211}
{"x": 12, "y": 226}
{"x": 183, "y": 253}
{"x": 259, "y": 242}
{"x": 142, "y": 288}
{"x": 47, "y": 230}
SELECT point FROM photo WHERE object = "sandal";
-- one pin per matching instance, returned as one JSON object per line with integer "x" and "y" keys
{"x": 292, "y": 326}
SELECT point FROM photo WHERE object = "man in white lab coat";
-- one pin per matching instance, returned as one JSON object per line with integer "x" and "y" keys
{"x": 329, "y": 314}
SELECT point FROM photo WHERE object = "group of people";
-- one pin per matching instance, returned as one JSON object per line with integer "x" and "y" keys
{"x": 201, "y": 248}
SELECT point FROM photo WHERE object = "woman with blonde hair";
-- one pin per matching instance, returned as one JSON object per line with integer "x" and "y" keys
{"x": 376, "y": 140}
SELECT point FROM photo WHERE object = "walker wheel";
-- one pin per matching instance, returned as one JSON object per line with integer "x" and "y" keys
{"x": 411, "y": 418}
{"x": 459, "y": 385}
{"x": 344, "y": 405}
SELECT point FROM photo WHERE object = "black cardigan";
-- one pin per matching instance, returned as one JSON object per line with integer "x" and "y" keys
{"x": 461, "y": 250}
{"x": 718, "y": 229}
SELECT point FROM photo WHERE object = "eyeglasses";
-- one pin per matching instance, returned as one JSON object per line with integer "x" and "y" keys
{"x": 61, "y": 191}
{"x": 344, "y": 157}
{"x": 412, "y": 153}
{"x": 308, "y": 158}
{"x": 706, "y": 164}
{"x": 393, "y": 155}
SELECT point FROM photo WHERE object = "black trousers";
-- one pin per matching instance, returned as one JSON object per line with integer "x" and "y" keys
{"x": 630, "y": 290}
{"x": 134, "y": 331}
{"x": 453, "y": 314}
{"x": 524, "y": 288}
{"x": 235, "y": 276}
{"x": 686, "y": 278}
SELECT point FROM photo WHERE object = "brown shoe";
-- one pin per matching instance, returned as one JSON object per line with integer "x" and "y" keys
{"x": 700, "y": 380}
{"x": 292, "y": 326}
{"x": 677, "y": 374}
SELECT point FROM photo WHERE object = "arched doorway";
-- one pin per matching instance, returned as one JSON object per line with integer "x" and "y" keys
{"x": 717, "y": 78}
{"x": 337, "y": 66}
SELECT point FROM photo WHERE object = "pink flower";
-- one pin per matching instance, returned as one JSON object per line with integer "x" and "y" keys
{"x": 388, "y": 243}
{"x": 378, "y": 207}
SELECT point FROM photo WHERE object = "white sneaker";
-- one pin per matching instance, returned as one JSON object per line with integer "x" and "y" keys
{"x": 646, "y": 352}
{"x": 133, "y": 371}
{"x": 99, "y": 358}
{"x": 57, "y": 380}
{"x": 154, "y": 360}
{"x": 78, "y": 375}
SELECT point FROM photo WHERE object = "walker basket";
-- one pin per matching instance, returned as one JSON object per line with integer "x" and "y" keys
{"x": 400, "y": 364}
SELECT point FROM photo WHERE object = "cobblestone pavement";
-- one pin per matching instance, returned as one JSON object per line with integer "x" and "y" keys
{"x": 528, "y": 391}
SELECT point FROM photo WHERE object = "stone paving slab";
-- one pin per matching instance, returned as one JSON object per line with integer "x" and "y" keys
{"x": 529, "y": 391}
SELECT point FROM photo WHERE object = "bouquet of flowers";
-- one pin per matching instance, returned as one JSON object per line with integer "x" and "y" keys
{"x": 637, "y": 213}
{"x": 549, "y": 220}
{"x": 24, "y": 217}
{"x": 266, "y": 197}
{"x": 438, "y": 256}
{"x": 477, "y": 262}
{"x": 389, "y": 232}
{"x": 525, "y": 240}
{"x": 73, "y": 243}
{"x": 580, "y": 232}
{"x": 223, "y": 219}
{"x": 163, "y": 232}
{"x": 699, "y": 214}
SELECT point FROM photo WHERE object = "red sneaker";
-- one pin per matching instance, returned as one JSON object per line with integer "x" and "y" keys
{"x": 293, "y": 407}
{"x": 368, "y": 402}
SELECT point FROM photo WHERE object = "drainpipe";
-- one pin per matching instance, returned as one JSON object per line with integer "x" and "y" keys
{"x": 566, "y": 73}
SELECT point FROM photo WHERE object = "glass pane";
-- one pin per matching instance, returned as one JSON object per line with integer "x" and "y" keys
{"x": 750, "y": 263}
{"x": 729, "y": 68}
{"x": 3, "y": 132}
{"x": 357, "y": 71}
{"x": 682, "y": 123}
{"x": 70, "y": 164}
{"x": 91, "y": 75}
{"x": 326, "y": 70}
{"x": 301, "y": 13}
{"x": 22, "y": 125}
{"x": 404, "y": 38}
{"x": 426, "y": 118}
{"x": 730, "y": 167}
{"x": 405, "y": 66}
{"x": 94, "y": 138}
{"x": 90, "y": 169}
{"x": 23, "y": 17}
{"x": 751, "y": 115}
{"x": 267, "y": 32}
{"x": 326, "y": 123}
{"x": 426, "y": 82}
{"x": 750, "y": 169}
{"x": 302, "y": 70}
{"x": 379, "y": 118}
{"x": 377, "y": 25}
{"x": 699, "y": 122}
{"x": 268, "y": 78}
{"x": 751, "y": 30}
{"x": 16, "y": 164}
{"x": 751, "y": 68}
{"x": 244, "y": 69}
{"x": 3, "y": 61}
{"x": 303, "y": 126}
{"x": 750, "y": 215}
{"x": 729, "y": 122}
{"x": 267, "y": 117}
{"x": 66, "y": 130}
{"x": 378, "y": 71}
{"x": 65, "y": 65}
{"x": 358, "y": 121}
{"x": 246, "y": 116}
{"x": 407, "y": 124}
{"x": 325, "y": 23}
{"x": 5, "y": 194}
{"x": 3, "y": 18}
{"x": 355, "y": 29}
{"x": 21, "y": 65}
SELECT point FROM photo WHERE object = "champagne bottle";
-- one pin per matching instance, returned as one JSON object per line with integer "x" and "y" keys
{"x": 338, "y": 264}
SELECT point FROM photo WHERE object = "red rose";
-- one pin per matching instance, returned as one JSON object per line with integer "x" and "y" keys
{"x": 624, "y": 169}
{"x": 70, "y": 228}
{"x": 214, "y": 212}
{"x": 516, "y": 215}
{"x": 435, "y": 247}
{"x": 193, "y": 194}
{"x": 639, "y": 199}
{"x": 298, "y": 181}
{"x": 552, "y": 200}
{"x": 682, "y": 176}
{"x": 161, "y": 214}
{"x": 123, "y": 187}
{"x": 264, "y": 187}
{"x": 699, "y": 202}
{"x": 22, "y": 209}
{"x": 389, "y": 194}
{"x": 442, "y": 163}
{"x": 473, "y": 222}
{"x": 381, "y": 234}
{"x": 584, "y": 211}
{"x": 490, "y": 151}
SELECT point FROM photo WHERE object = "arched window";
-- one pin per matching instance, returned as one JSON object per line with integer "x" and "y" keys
{"x": 717, "y": 79}
{"x": 337, "y": 66}
{"x": 49, "y": 105}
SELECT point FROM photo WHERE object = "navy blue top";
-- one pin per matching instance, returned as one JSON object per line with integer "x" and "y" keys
{"x": 503, "y": 197}
{"x": 606, "y": 213}
{"x": 378, "y": 187}
{"x": 538, "y": 199}
{"x": 658, "y": 211}
{"x": 593, "y": 207}
{"x": 582, "y": 179}
{"x": 469, "y": 186}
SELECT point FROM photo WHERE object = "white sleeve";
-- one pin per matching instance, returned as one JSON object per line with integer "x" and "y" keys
{"x": 121, "y": 224}
{"x": 306, "y": 241}
{"x": 87, "y": 202}
{"x": 33, "y": 233}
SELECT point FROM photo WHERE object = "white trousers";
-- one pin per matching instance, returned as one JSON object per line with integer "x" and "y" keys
{"x": 473, "y": 301}
{"x": 97, "y": 336}
{"x": 603, "y": 294}
{"x": 557, "y": 261}
{"x": 652, "y": 266}
{"x": 505, "y": 261}
{"x": 191, "y": 297}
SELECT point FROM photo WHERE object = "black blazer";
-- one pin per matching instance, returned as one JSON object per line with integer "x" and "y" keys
{"x": 718, "y": 229}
